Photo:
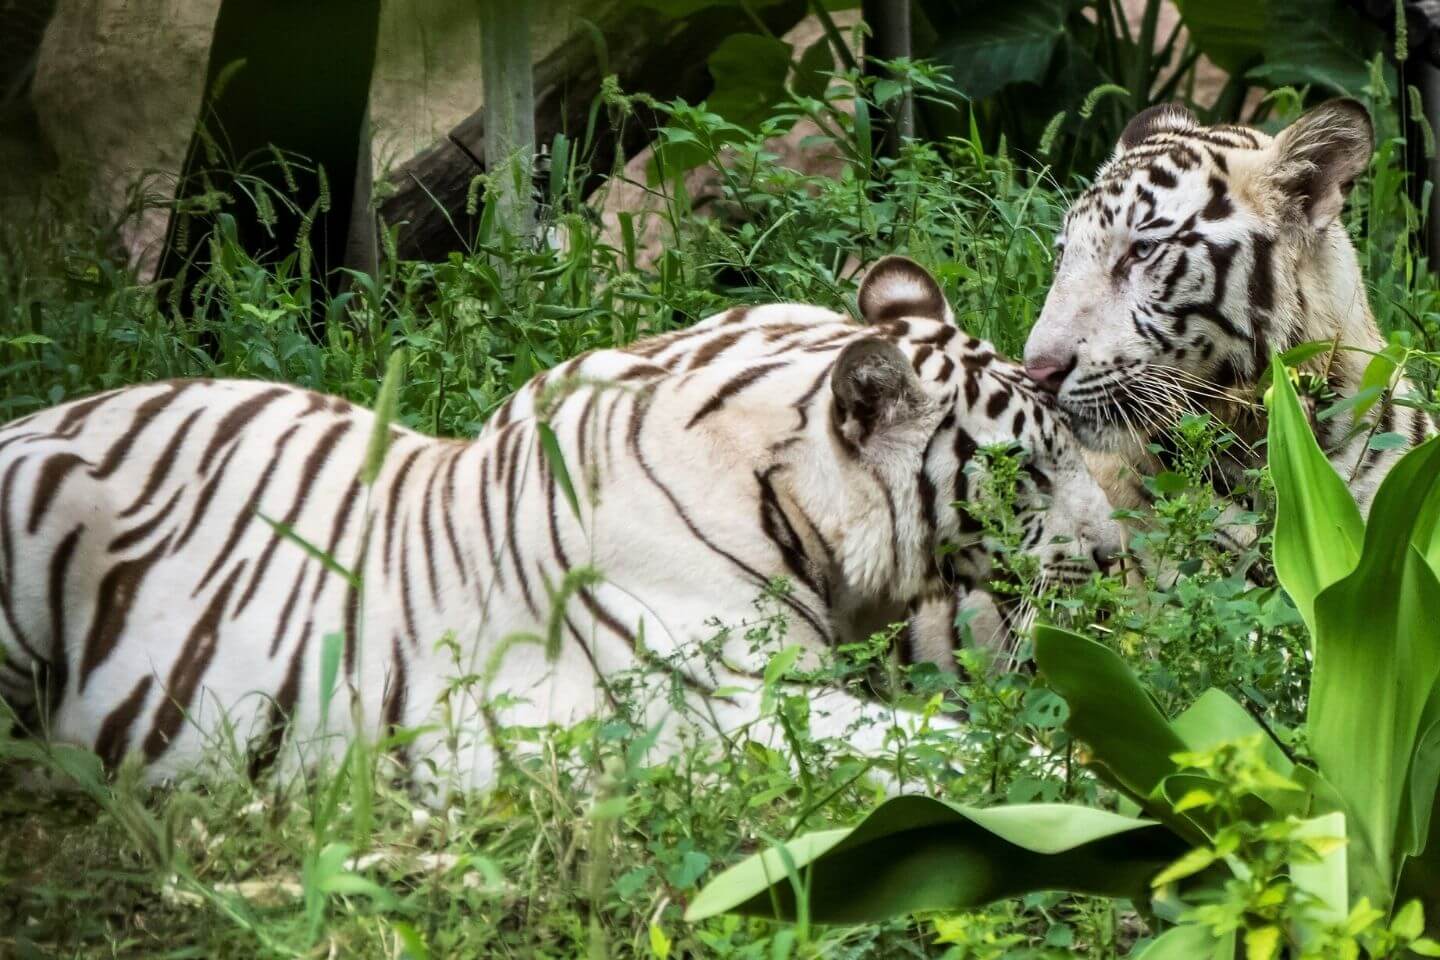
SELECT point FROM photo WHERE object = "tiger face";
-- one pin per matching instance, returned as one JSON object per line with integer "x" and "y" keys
{"x": 1196, "y": 253}
{"x": 1061, "y": 516}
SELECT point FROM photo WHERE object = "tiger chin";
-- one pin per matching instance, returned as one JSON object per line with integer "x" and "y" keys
{"x": 1198, "y": 252}
{"x": 147, "y": 607}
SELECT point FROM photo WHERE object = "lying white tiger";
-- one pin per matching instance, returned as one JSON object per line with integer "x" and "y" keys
{"x": 144, "y": 606}
{"x": 896, "y": 290}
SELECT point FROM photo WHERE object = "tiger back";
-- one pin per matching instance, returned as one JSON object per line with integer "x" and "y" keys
{"x": 147, "y": 606}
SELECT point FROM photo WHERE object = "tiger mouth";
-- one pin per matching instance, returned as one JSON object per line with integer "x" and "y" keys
{"x": 1108, "y": 422}
{"x": 1101, "y": 426}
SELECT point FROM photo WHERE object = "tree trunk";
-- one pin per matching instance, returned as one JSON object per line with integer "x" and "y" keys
{"x": 22, "y": 142}
{"x": 292, "y": 77}
{"x": 664, "y": 58}
{"x": 508, "y": 89}
{"x": 889, "y": 23}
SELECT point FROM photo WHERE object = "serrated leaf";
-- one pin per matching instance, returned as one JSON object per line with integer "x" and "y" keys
{"x": 781, "y": 663}
{"x": 1388, "y": 441}
{"x": 1262, "y": 943}
{"x": 29, "y": 340}
{"x": 412, "y": 944}
{"x": 1194, "y": 798}
{"x": 659, "y": 942}
{"x": 1187, "y": 866}
{"x": 1409, "y": 921}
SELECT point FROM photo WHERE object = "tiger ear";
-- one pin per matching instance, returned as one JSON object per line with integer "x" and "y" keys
{"x": 874, "y": 388}
{"x": 1316, "y": 159}
{"x": 899, "y": 287}
{"x": 1161, "y": 118}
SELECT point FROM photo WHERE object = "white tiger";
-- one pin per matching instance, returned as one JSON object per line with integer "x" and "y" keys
{"x": 894, "y": 287}
{"x": 145, "y": 606}
{"x": 1197, "y": 253}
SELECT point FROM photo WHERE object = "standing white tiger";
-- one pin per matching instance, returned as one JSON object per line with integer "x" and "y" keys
{"x": 145, "y": 607}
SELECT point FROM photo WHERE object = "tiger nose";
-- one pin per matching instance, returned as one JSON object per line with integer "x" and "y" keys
{"x": 1106, "y": 557}
{"x": 1049, "y": 371}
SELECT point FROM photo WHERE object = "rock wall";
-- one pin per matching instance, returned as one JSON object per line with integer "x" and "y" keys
{"x": 118, "y": 88}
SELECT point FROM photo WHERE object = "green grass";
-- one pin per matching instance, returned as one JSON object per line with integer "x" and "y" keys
{"x": 593, "y": 850}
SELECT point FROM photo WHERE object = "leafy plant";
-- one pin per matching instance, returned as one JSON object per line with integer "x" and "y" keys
{"x": 1263, "y": 830}
{"x": 1058, "y": 79}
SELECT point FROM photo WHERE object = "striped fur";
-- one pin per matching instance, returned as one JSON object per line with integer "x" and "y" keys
{"x": 1197, "y": 252}
{"x": 1062, "y": 505}
{"x": 146, "y": 608}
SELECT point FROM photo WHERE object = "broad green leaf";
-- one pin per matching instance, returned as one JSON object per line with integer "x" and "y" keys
{"x": 1425, "y": 533}
{"x": 1423, "y": 780}
{"x": 1190, "y": 942}
{"x": 1109, "y": 710}
{"x": 1308, "y": 350}
{"x": 1378, "y": 374}
{"x": 916, "y": 853}
{"x": 1377, "y": 657}
{"x": 1328, "y": 880}
{"x": 750, "y": 71}
{"x": 1318, "y": 530}
{"x": 1214, "y": 718}
{"x": 812, "y": 73}
{"x": 994, "y": 45}
{"x": 1327, "y": 44}
{"x": 679, "y": 9}
{"x": 1420, "y": 880}
{"x": 1230, "y": 32}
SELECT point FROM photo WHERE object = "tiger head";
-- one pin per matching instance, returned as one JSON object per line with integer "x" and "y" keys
{"x": 1061, "y": 516}
{"x": 1196, "y": 252}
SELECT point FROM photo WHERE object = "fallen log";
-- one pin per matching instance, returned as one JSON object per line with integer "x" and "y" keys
{"x": 646, "y": 53}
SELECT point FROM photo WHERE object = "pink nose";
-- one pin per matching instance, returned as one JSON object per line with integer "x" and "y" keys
{"x": 1049, "y": 372}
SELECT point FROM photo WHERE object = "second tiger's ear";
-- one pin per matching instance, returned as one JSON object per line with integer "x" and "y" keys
{"x": 875, "y": 389}
{"x": 898, "y": 287}
{"x": 1317, "y": 158}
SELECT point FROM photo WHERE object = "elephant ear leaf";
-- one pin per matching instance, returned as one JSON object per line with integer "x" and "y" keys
{"x": 1190, "y": 942}
{"x": 917, "y": 853}
{"x": 1318, "y": 530}
{"x": 1109, "y": 710}
{"x": 1373, "y": 706}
